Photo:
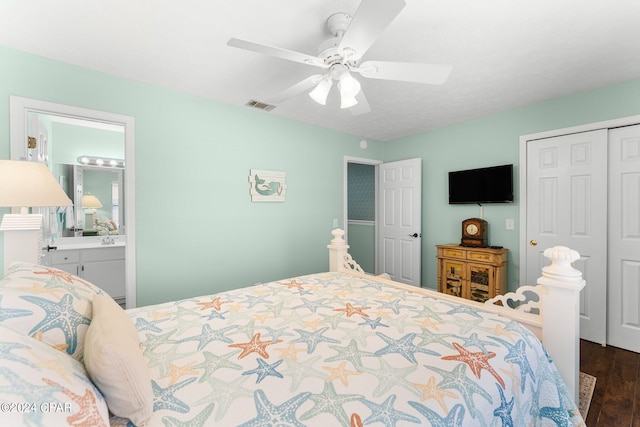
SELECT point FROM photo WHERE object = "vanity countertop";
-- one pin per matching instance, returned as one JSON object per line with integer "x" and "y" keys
{"x": 74, "y": 243}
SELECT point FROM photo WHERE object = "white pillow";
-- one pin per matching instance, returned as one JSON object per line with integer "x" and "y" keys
{"x": 115, "y": 362}
{"x": 41, "y": 386}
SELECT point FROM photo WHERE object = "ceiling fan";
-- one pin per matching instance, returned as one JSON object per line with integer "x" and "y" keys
{"x": 340, "y": 56}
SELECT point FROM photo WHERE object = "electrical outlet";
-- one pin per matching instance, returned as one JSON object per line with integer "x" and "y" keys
{"x": 335, "y": 222}
{"x": 510, "y": 224}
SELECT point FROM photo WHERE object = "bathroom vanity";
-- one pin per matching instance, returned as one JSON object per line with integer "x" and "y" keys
{"x": 99, "y": 260}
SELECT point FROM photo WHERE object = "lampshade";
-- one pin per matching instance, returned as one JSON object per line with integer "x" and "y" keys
{"x": 29, "y": 184}
{"x": 91, "y": 201}
{"x": 349, "y": 88}
{"x": 320, "y": 93}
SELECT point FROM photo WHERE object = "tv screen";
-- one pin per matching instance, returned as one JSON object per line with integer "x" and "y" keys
{"x": 485, "y": 185}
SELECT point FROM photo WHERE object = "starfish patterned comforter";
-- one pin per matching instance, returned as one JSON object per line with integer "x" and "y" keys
{"x": 338, "y": 350}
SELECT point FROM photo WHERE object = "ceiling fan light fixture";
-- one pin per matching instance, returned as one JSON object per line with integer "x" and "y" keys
{"x": 320, "y": 93}
{"x": 348, "y": 101}
{"x": 348, "y": 85}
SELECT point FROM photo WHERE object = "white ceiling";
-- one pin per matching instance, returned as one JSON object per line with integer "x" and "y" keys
{"x": 505, "y": 53}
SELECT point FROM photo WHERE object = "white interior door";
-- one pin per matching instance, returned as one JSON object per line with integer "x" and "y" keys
{"x": 399, "y": 220}
{"x": 567, "y": 206}
{"x": 624, "y": 238}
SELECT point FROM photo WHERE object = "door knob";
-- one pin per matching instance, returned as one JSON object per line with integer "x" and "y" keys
{"x": 415, "y": 235}
{"x": 533, "y": 242}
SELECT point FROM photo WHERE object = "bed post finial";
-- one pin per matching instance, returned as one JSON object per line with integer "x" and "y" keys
{"x": 337, "y": 250}
{"x": 561, "y": 309}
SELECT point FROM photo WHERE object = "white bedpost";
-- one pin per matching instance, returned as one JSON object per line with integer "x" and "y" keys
{"x": 337, "y": 250}
{"x": 561, "y": 313}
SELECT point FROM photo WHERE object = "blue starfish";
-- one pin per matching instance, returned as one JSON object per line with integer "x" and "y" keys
{"x": 199, "y": 420}
{"x": 145, "y": 325}
{"x": 474, "y": 341}
{"x": 208, "y": 335}
{"x": 518, "y": 355}
{"x": 394, "y": 306}
{"x": 403, "y": 346}
{"x": 559, "y": 415}
{"x": 454, "y": 418}
{"x": 60, "y": 315}
{"x": 255, "y": 300}
{"x": 164, "y": 399}
{"x": 280, "y": 415}
{"x": 6, "y": 355}
{"x": 464, "y": 309}
{"x": 386, "y": 414}
{"x": 504, "y": 410}
{"x": 332, "y": 403}
{"x": 8, "y": 313}
{"x": 350, "y": 353}
{"x": 458, "y": 380}
{"x": 313, "y": 338}
{"x": 275, "y": 334}
{"x": 311, "y": 305}
{"x": 264, "y": 369}
{"x": 373, "y": 323}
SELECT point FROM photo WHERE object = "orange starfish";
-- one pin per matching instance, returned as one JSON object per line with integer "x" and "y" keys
{"x": 89, "y": 414}
{"x": 255, "y": 345}
{"x": 215, "y": 304}
{"x": 350, "y": 310}
{"x": 293, "y": 284}
{"x": 476, "y": 361}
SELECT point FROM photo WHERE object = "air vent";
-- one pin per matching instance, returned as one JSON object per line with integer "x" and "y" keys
{"x": 260, "y": 105}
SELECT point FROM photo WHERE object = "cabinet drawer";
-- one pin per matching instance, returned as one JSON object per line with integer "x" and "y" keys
{"x": 64, "y": 257}
{"x": 453, "y": 253}
{"x": 103, "y": 254}
{"x": 479, "y": 256}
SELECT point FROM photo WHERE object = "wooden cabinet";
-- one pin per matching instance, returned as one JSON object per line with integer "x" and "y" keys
{"x": 102, "y": 266}
{"x": 474, "y": 273}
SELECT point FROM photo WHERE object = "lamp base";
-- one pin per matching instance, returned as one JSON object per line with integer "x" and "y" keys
{"x": 22, "y": 238}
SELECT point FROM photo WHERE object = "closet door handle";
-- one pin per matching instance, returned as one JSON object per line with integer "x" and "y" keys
{"x": 533, "y": 243}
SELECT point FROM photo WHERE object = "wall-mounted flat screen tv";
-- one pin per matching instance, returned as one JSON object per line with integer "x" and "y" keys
{"x": 484, "y": 185}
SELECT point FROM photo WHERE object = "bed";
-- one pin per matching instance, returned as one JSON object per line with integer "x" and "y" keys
{"x": 336, "y": 348}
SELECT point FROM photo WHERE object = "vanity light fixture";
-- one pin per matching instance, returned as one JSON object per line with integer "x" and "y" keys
{"x": 23, "y": 185}
{"x": 101, "y": 161}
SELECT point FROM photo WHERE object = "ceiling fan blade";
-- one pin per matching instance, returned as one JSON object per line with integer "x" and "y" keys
{"x": 289, "y": 55}
{"x": 296, "y": 89}
{"x": 433, "y": 74}
{"x": 368, "y": 23}
{"x": 362, "y": 107}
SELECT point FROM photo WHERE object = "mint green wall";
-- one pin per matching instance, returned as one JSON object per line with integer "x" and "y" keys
{"x": 73, "y": 141}
{"x": 494, "y": 140}
{"x": 197, "y": 231}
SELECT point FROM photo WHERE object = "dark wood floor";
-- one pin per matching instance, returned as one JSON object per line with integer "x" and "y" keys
{"x": 616, "y": 399}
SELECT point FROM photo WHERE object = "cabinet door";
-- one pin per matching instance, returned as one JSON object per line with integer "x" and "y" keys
{"x": 481, "y": 279}
{"x": 453, "y": 278}
{"x": 108, "y": 275}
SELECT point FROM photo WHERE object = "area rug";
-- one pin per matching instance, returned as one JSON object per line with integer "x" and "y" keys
{"x": 587, "y": 385}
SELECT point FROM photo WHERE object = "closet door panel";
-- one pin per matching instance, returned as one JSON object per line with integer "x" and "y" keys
{"x": 623, "y": 323}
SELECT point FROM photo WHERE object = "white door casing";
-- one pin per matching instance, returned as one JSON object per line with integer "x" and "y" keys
{"x": 623, "y": 313}
{"x": 399, "y": 220}
{"x": 566, "y": 206}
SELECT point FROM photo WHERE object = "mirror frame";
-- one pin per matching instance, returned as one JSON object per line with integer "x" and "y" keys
{"x": 19, "y": 107}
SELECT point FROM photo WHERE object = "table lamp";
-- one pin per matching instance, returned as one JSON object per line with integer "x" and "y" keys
{"x": 23, "y": 185}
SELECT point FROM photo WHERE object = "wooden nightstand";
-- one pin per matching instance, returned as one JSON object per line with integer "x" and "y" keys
{"x": 474, "y": 273}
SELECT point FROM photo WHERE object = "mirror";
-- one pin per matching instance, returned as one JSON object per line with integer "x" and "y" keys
{"x": 59, "y": 134}
{"x": 69, "y": 146}
{"x": 98, "y": 206}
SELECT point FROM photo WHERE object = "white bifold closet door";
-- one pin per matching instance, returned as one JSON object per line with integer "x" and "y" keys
{"x": 566, "y": 206}
{"x": 623, "y": 318}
